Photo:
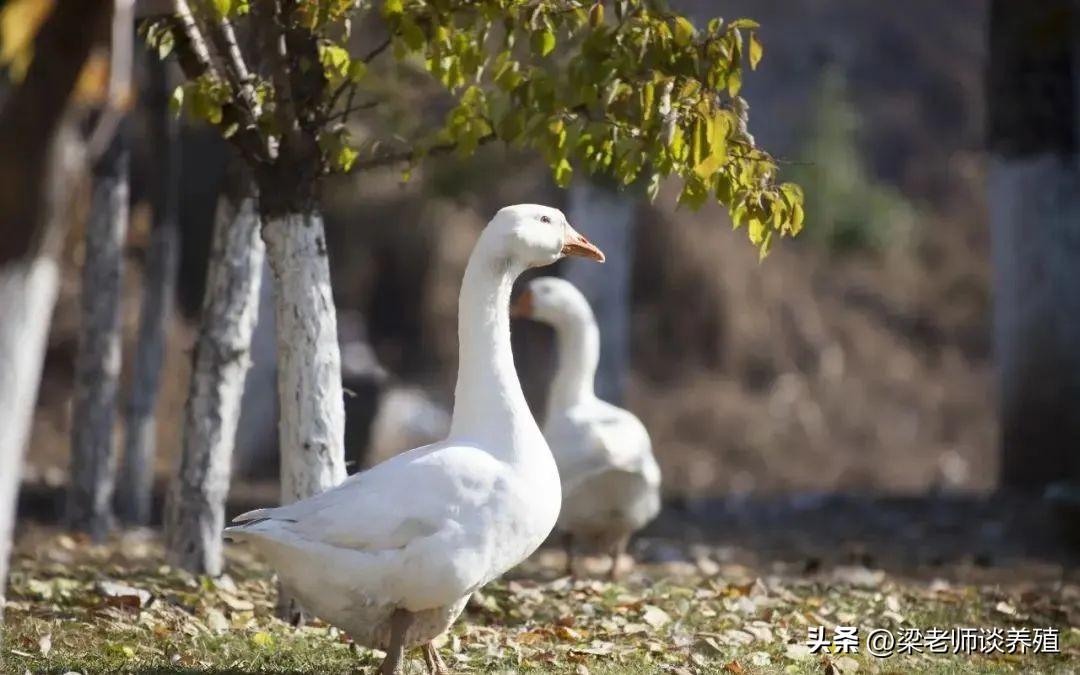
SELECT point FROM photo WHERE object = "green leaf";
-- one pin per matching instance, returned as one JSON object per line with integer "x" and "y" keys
{"x": 335, "y": 61}
{"x": 734, "y": 82}
{"x": 357, "y": 70}
{"x": 563, "y": 172}
{"x": 766, "y": 246}
{"x": 393, "y": 8}
{"x": 222, "y": 7}
{"x": 596, "y": 14}
{"x": 756, "y": 231}
{"x": 653, "y": 188}
{"x": 684, "y": 31}
{"x": 756, "y": 51}
{"x": 543, "y": 42}
{"x": 176, "y": 101}
{"x": 648, "y": 102}
{"x": 744, "y": 23}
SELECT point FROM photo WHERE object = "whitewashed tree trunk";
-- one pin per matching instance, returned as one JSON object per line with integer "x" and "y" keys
{"x": 311, "y": 426}
{"x": 312, "y": 412}
{"x": 97, "y": 365}
{"x": 608, "y": 219}
{"x": 28, "y": 289}
{"x": 159, "y": 287}
{"x": 195, "y": 508}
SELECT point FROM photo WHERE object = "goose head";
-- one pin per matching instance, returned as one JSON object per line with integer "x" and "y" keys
{"x": 530, "y": 235}
{"x": 552, "y": 301}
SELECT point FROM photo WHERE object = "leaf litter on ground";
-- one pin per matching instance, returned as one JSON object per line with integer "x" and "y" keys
{"x": 81, "y": 608}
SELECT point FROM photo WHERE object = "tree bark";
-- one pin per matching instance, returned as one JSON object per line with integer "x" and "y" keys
{"x": 1034, "y": 183}
{"x": 28, "y": 289}
{"x": 311, "y": 425}
{"x": 195, "y": 512}
{"x": 159, "y": 289}
{"x": 97, "y": 365}
{"x": 312, "y": 412}
{"x": 609, "y": 217}
{"x": 36, "y": 177}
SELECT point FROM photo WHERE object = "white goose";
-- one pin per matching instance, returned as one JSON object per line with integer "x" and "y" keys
{"x": 392, "y": 554}
{"x": 610, "y": 479}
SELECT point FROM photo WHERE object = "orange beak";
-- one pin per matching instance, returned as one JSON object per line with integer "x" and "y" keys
{"x": 579, "y": 246}
{"x": 522, "y": 307}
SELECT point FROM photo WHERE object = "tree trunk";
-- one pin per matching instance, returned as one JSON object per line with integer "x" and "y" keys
{"x": 195, "y": 512}
{"x": 609, "y": 218}
{"x": 159, "y": 289}
{"x": 1034, "y": 205}
{"x": 34, "y": 187}
{"x": 312, "y": 424}
{"x": 28, "y": 289}
{"x": 97, "y": 365}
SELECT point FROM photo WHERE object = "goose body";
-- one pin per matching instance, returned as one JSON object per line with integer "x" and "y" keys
{"x": 392, "y": 554}
{"x": 610, "y": 479}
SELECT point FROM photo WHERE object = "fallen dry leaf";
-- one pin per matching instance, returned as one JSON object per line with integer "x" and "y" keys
{"x": 655, "y": 617}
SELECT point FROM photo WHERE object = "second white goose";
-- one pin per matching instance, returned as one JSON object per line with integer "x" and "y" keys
{"x": 610, "y": 479}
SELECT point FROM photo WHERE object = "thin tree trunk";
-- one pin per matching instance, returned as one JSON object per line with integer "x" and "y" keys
{"x": 37, "y": 166}
{"x": 159, "y": 289}
{"x": 97, "y": 365}
{"x": 609, "y": 217}
{"x": 28, "y": 289}
{"x": 195, "y": 512}
{"x": 1034, "y": 199}
{"x": 312, "y": 425}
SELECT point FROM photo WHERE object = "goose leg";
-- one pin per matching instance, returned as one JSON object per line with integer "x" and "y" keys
{"x": 400, "y": 621}
{"x": 568, "y": 546}
{"x": 617, "y": 551}
{"x": 435, "y": 663}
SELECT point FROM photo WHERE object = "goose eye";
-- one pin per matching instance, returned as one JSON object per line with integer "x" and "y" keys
{"x": 545, "y": 219}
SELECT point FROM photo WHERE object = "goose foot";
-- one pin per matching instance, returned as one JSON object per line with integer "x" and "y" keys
{"x": 288, "y": 608}
{"x": 617, "y": 551}
{"x": 400, "y": 621}
{"x": 435, "y": 663}
{"x": 568, "y": 546}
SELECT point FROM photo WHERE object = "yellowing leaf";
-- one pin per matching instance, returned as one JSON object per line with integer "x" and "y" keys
{"x": 596, "y": 15}
{"x": 684, "y": 31}
{"x": 19, "y": 23}
{"x": 734, "y": 81}
{"x": 563, "y": 172}
{"x": 756, "y": 50}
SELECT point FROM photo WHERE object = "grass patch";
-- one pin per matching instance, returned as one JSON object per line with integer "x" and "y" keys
{"x": 91, "y": 609}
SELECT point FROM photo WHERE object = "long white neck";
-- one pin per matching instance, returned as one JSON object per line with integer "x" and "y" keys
{"x": 578, "y": 343}
{"x": 489, "y": 407}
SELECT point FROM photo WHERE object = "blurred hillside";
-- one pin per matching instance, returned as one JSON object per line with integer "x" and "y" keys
{"x": 820, "y": 369}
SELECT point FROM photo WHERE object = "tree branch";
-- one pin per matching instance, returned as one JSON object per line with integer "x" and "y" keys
{"x": 412, "y": 154}
{"x": 199, "y": 49}
{"x": 378, "y": 50}
{"x": 119, "y": 97}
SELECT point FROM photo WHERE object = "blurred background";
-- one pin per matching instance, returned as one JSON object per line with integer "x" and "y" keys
{"x": 852, "y": 369}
